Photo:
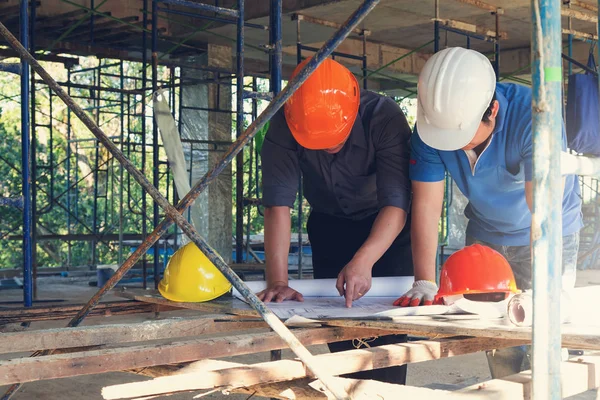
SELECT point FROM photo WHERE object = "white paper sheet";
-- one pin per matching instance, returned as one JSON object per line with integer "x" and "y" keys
{"x": 321, "y": 300}
{"x": 380, "y": 287}
{"x": 577, "y": 306}
{"x": 331, "y": 307}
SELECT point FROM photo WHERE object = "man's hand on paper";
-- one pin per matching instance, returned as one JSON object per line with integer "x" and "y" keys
{"x": 422, "y": 293}
{"x": 354, "y": 281}
{"x": 279, "y": 292}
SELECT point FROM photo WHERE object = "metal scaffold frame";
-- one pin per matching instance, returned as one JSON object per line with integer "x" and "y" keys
{"x": 546, "y": 232}
{"x": 174, "y": 214}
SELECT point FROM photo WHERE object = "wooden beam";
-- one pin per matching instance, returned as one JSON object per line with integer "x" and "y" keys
{"x": 577, "y": 376}
{"x": 583, "y": 5}
{"x": 36, "y": 313}
{"x": 222, "y": 305}
{"x": 574, "y": 336}
{"x": 285, "y": 370}
{"x": 580, "y": 35}
{"x": 99, "y": 361}
{"x": 122, "y": 333}
{"x": 7, "y": 53}
{"x": 322, "y": 22}
{"x": 580, "y": 15}
{"x": 479, "y": 4}
{"x": 309, "y": 389}
{"x": 467, "y": 27}
{"x": 298, "y": 389}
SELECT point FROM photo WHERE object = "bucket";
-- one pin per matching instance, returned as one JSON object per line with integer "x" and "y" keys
{"x": 104, "y": 272}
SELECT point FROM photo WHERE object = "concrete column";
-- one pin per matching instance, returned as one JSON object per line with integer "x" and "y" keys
{"x": 220, "y": 192}
{"x": 215, "y": 202}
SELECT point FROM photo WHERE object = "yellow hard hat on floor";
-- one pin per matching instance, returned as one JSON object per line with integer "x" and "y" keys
{"x": 191, "y": 277}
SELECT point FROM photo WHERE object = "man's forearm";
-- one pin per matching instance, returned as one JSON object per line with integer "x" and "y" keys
{"x": 277, "y": 244}
{"x": 387, "y": 226}
{"x": 428, "y": 198}
{"x": 424, "y": 241}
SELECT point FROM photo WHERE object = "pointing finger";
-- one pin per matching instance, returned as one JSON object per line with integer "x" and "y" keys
{"x": 349, "y": 295}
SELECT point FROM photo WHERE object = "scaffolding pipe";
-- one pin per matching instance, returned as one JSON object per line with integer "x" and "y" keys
{"x": 202, "y": 6}
{"x": 497, "y": 45}
{"x": 546, "y": 226}
{"x": 143, "y": 116}
{"x": 16, "y": 202}
{"x": 364, "y": 61}
{"x": 436, "y": 27}
{"x": 155, "y": 160}
{"x": 13, "y": 68}
{"x": 174, "y": 213}
{"x": 275, "y": 39}
{"x": 25, "y": 160}
{"x": 258, "y": 95}
{"x": 213, "y": 19}
{"x": 580, "y": 65}
{"x": 570, "y": 40}
{"x": 299, "y": 48}
{"x": 239, "y": 129}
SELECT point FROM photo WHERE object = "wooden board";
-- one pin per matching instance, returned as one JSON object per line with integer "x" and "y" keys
{"x": 574, "y": 336}
{"x": 108, "y": 360}
{"x": 222, "y": 305}
{"x": 44, "y": 313}
{"x": 284, "y": 370}
{"x": 120, "y": 333}
{"x": 577, "y": 376}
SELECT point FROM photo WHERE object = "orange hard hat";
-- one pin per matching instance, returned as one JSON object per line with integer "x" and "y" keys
{"x": 321, "y": 113}
{"x": 476, "y": 269}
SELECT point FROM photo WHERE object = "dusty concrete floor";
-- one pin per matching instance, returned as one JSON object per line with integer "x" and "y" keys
{"x": 451, "y": 373}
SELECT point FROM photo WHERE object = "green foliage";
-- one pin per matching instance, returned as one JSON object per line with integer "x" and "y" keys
{"x": 75, "y": 176}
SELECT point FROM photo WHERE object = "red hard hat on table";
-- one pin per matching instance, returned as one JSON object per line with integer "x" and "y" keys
{"x": 476, "y": 269}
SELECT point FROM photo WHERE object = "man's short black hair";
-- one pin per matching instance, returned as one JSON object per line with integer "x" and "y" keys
{"x": 488, "y": 112}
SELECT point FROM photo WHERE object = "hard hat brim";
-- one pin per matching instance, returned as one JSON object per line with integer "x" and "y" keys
{"x": 445, "y": 139}
{"x": 325, "y": 143}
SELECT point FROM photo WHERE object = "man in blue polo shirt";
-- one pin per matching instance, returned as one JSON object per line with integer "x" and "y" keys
{"x": 480, "y": 132}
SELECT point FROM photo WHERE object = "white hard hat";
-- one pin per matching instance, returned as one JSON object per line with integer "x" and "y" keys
{"x": 455, "y": 89}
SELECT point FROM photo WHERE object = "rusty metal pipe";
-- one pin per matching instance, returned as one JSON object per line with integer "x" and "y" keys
{"x": 175, "y": 213}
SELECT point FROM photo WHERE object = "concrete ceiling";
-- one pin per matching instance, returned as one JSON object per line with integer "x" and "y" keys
{"x": 396, "y": 26}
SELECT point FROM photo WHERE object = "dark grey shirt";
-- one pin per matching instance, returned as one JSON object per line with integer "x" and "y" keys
{"x": 369, "y": 173}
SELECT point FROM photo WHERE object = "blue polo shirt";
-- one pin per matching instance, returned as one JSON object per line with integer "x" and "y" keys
{"x": 497, "y": 209}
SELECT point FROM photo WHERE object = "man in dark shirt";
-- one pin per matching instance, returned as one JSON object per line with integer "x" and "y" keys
{"x": 353, "y": 152}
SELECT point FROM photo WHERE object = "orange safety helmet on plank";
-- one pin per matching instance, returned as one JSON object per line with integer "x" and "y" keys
{"x": 476, "y": 269}
{"x": 321, "y": 113}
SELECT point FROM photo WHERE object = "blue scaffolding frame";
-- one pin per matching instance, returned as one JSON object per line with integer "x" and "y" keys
{"x": 546, "y": 231}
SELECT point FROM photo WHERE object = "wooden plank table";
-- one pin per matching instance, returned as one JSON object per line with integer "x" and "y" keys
{"x": 575, "y": 336}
